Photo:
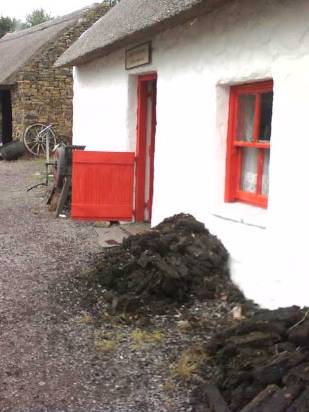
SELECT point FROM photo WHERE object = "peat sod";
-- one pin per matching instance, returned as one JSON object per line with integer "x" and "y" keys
{"x": 175, "y": 261}
{"x": 262, "y": 363}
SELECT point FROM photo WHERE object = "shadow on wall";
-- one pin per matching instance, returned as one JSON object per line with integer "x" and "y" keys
{"x": 5, "y": 117}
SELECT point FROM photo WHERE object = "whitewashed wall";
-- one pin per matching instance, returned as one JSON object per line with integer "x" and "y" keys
{"x": 196, "y": 63}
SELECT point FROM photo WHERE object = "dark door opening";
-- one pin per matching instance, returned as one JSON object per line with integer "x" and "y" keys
{"x": 145, "y": 148}
{"x": 5, "y": 117}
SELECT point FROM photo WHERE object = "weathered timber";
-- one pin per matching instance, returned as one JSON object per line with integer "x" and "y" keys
{"x": 215, "y": 399}
{"x": 282, "y": 399}
{"x": 275, "y": 370}
{"x": 256, "y": 404}
{"x": 300, "y": 404}
{"x": 300, "y": 334}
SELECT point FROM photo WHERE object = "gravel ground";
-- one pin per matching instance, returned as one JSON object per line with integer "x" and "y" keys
{"x": 55, "y": 355}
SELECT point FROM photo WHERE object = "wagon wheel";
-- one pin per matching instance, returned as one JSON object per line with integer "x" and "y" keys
{"x": 35, "y": 137}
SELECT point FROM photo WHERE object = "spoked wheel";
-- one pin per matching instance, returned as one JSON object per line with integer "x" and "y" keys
{"x": 35, "y": 138}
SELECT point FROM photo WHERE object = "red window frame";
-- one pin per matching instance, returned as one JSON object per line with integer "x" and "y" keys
{"x": 233, "y": 191}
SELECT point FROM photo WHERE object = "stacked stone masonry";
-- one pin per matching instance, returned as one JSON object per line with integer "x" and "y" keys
{"x": 43, "y": 93}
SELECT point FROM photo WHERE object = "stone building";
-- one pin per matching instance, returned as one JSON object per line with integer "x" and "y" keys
{"x": 32, "y": 90}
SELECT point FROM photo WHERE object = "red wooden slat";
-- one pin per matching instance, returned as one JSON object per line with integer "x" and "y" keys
{"x": 152, "y": 146}
{"x": 141, "y": 145}
{"x": 246, "y": 197}
{"x": 102, "y": 185}
{"x": 103, "y": 157}
{"x": 254, "y": 87}
{"x": 141, "y": 150}
{"x": 257, "y": 145}
{"x": 232, "y": 175}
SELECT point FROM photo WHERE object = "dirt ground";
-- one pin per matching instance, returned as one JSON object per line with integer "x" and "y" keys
{"x": 54, "y": 354}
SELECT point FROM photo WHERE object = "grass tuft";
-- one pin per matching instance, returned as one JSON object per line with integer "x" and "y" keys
{"x": 189, "y": 363}
{"x": 106, "y": 342}
{"x": 85, "y": 319}
{"x": 142, "y": 338}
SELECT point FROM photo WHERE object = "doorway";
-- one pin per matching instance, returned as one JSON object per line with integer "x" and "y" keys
{"x": 145, "y": 146}
{"x": 5, "y": 117}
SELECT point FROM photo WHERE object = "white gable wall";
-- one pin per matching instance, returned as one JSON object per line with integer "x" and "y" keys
{"x": 196, "y": 63}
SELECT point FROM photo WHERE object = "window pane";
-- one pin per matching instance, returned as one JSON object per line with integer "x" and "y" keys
{"x": 266, "y": 115}
{"x": 249, "y": 170}
{"x": 265, "y": 177}
{"x": 245, "y": 118}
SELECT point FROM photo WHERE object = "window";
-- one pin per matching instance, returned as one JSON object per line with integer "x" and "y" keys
{"x": 249, "y": 133}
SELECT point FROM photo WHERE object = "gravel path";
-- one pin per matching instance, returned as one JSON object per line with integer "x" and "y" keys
{"x": 56, "y": 357}
{"x": 38, "y": 366}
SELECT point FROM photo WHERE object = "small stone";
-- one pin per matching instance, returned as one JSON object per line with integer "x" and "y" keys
{"x": 237, "y": 312}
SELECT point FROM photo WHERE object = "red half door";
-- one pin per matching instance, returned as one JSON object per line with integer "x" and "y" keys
{"x": 102, "y": 185}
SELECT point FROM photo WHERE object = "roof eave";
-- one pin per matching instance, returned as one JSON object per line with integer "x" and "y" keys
{"x": 169, "y": 23}
{"x": 9, "y": 81}
{"x": 6, "y": 86}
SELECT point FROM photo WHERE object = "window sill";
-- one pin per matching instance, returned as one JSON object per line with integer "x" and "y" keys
{"x": 242, "y": 213}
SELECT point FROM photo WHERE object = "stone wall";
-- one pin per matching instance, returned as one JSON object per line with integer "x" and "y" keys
{"x": 17, "y": 113}
{"x": 44, "y": 93}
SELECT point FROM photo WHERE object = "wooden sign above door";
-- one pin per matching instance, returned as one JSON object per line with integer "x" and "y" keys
{"x": 138, "y": 56}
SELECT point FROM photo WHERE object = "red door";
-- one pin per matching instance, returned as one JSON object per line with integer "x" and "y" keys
{"x": 145, "y": 146}
{"x": 103, "y": 182}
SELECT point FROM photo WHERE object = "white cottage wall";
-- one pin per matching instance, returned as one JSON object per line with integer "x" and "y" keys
{"x": 196, "y": 63}
{"x": 100, "y": 106}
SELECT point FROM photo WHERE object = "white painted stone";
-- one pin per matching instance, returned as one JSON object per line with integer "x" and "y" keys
{"x": 196, "y": 63}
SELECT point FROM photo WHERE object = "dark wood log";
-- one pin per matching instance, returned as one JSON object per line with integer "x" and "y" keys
{"x": 301, "y": 404}
{"x": 256, "y": 404}
{"x": 273, "y": 371}
{"x": 201, "y": 408}
{"x": 298, "y": 374}
{"x": 282, "y": 399}
{"x": 64, "y": 195}
{"x": 214, "y": 398}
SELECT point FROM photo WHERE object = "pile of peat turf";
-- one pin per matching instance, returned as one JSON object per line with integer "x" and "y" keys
{"x": 176, "y": 260}
{"x": 262, "y": 364}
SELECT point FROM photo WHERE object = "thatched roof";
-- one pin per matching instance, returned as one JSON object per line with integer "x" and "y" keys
{"x": 132, "y": 20}
{"x": 17, "y": 48}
